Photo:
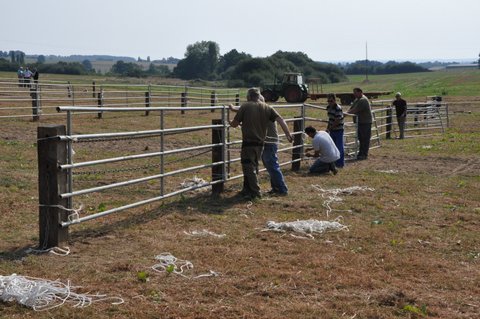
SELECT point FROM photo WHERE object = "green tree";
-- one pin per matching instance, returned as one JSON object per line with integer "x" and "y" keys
{"x": 87, "y": 65}
{"x": 200, "y": 61}
{"x": 20, "y": 57}
{"x": 41, "y": 59}
{"x": 230, "y": 60}
{"x": 127, "y": 69}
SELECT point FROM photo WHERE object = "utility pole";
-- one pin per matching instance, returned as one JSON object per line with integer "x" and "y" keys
{"x": 366, "y": 61}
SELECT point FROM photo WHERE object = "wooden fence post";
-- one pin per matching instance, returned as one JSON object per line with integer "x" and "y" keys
{"x": 93, "y": 89}
{"x": 100, "y": 103}
{"x": 389, "y": 123}
{"x": 218, "y": 136}
{"x": 213, "y": 100}
{"x": 183, "y": 101}
{"x": 51, "y": 183}
{"x": 237, "y": 99}
{"x": 297, "y": 153}
{"x": 35, "y": 102}
{"x": 147, "y": 102}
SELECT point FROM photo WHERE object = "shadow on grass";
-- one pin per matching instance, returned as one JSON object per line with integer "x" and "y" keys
{"x": 203, "y": 203}
{"x": 17, "y": 253}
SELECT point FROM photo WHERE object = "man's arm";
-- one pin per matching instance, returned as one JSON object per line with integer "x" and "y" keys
{"x": 234, "y": 123}
{"x": 233, "y": 108}
{"x": 315, "y": 154}
{"x": 284, "y": 127}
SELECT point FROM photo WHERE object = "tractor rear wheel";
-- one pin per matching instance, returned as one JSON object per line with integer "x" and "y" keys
{"x": 268, "y": 95}
{"x": 293, "y": 94}
{"x": 275, "y": 97}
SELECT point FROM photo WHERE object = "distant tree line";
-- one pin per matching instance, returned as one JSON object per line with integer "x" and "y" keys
{"x": 203, "y": 61}
{"x": 376, "y": 67}
{"x": 131, "y": 69}
{"x": 17, "y": 60}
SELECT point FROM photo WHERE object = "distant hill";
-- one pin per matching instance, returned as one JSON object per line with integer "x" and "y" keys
{"x": 80, "y": 58}
{"x": 102, "y": 63}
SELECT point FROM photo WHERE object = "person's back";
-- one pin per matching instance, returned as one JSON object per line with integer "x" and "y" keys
{"x": 323, "y": 143}
{"x": 255, "y": 117}
{"x": 361, "y": 107}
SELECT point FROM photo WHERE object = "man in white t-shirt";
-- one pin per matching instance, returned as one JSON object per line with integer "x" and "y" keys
{"x": 325, "y": 151}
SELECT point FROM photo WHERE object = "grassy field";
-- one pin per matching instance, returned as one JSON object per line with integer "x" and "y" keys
{"x": 463, "y": 83}
{"x": 411, "y": 250}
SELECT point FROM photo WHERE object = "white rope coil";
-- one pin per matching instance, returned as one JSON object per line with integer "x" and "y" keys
{"x": 388, "y": 171}
{"x": 41, "y": 294}
{"x": 195, "y": 182}
{"x": 203, "y": 233}
{"x": 306, "y": 227}
{"x": 171, "y": 264}
{"x": 333, "y": 195}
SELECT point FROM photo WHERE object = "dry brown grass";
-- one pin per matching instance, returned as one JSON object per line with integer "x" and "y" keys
{"x": 423, "y": 249}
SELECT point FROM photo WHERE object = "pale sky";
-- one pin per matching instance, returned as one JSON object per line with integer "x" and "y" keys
{"x": 326, "y": 30}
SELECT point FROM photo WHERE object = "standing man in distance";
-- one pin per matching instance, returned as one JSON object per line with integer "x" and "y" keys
{"x": 401, "y": 111}
{"x": 335, "y": 126}
{"x": 254, "y": 115}
{"x": 361, "y": 108}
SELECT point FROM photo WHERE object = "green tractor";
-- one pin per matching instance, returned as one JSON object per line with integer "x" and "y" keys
{"x": 292, "y": 88}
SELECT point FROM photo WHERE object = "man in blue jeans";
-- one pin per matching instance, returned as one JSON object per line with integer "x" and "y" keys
{"x": 270, "y": 161}
{"x": 270, "y": 155}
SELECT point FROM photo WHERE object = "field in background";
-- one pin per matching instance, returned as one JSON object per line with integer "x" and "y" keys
{"x": 412, "y": 249}
{"x": 462, "y": 82}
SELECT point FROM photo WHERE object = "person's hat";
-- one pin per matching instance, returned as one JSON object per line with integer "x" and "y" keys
{"x": 398, "y": 94}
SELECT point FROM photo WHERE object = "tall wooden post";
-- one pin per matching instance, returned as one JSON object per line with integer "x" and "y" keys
{"x": 389, "y": 123}
{"x": 100, "y": 103}
{"x": 237, "y": 99}
{"x": 93, "y": 89}
{"x": 297, "y": 153}
{"x": 213, "y": 100}
{"x": 183, "y": 101}
{"x": 35, "y": 103}
{"x": 218, "y": 136}
{"x": 51, "y": 183}
{"x": 147, "y": 102}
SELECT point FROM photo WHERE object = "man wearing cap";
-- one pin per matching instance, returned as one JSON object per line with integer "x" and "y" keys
{"x": 361, "y": 108}
{"x": 254, "y": 115}
{"x": 401, "y": 111}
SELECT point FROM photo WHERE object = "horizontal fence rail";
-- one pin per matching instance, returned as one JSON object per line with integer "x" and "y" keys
{"x": 40, "y": 99}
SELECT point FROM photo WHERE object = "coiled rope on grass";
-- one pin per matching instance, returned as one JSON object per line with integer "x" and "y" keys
{"x": 167, "y": 263}
{"x": 40, "y": 294}
{"x": 306, "y": 227}
{"x": 203, "y": 233}
{"x": 333, "y": 195}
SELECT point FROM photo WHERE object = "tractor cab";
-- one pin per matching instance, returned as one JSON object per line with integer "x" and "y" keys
{"x": 292, "y": 88}
{"x": 293, "y": 78}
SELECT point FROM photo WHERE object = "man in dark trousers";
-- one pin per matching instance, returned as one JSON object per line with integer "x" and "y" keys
{"x": 361, "y": 108}
{"x": 254, "y": 115}
{"x": 335, "y": 126}
{"x": 401, "y": 111}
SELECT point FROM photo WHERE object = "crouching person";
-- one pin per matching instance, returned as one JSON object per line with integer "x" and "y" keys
{"x": 325, "y": 152}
